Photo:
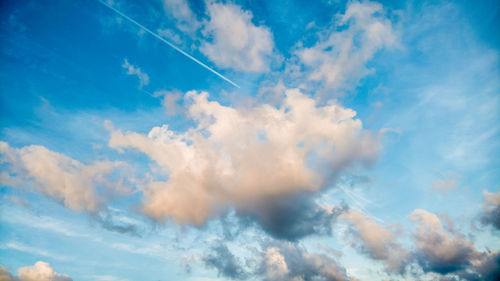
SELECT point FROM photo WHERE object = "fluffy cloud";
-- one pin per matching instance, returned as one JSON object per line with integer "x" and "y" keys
{"x": 185, "y": 19}
{"x": 246, "y": 158}
{"x": 339, "y": 60}
{"x": 134, "y": 70}
{"x": 491, "y": 214}
{"x": 236, "y": 42}
{"x": 64, "y": 179}
{"x": 288, "y": 261}
{"x": 41, "y": 271}
{"x": 377, "y": 241}
{"x": 451, "y": 255}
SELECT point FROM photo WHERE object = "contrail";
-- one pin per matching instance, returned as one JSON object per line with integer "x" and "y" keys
{"x": 166, "y": 42}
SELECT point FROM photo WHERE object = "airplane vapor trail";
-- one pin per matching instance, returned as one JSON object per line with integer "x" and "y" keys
{"x": 167, "y": 42}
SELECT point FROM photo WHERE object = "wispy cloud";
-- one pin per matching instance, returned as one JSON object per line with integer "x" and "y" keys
{"x": 168, "y": 43}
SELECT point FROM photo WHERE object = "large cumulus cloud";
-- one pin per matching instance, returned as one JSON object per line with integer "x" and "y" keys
{"x": 249, "y": 159}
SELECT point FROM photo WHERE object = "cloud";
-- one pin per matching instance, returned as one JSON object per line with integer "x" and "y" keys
{"x": 109, "y": 222}
{"x": 134, "y": 70}
{"x": 444, "y": 185}
{"x": 62, "y": 178}
{"x": 491, "y": 213}
{"x": 170, "y": 101}
{"x": 275, "y": 260}
{"x": 235, "y": 41}
{"x": 377, "y": 241}
{"x": 240, "y": 157}
{"x": 185, "y": 19}
{"x": 339, "y": 60}
{"x": 282, "y": 261}
{"x": 438, "y": 251}
{"x": 170, "y": 35}
{"x": 225, "y": 262}
{"x": 292, "y": 217}
{"x": 451, "y": 255}
{"x": 41, "y": 271}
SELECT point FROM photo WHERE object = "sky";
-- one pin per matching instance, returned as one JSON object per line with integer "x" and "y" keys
{"x": 249, "y": 140}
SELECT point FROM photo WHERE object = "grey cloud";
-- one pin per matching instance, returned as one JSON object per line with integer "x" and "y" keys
{"x": 109, "y": 222}
{"x": 491, "y": 212}
{"x": 450, "y": 254}
{"x": 276, "y": 260}
{"x": 292, "y": 217}
{"x": 289, "y": 261}
{"x": 225, "y": 262}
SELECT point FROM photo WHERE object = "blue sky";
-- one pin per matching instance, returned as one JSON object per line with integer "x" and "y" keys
{"x": 354, "y": 141}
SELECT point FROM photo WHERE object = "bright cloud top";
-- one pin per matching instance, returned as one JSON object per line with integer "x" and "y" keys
{"x": 235, "y": 41}
{"x": 237, "y": 157}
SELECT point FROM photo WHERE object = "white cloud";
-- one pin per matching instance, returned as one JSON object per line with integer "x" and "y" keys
{"x": 134, "y": 70}
{"x": 236, "y": 42}
{"x": 378, "y": 241}
{"x": 170, "y": 35}
{"x": 170, "y": 101}
{"x": 237, "y": 157}
{"x": 66, "y": 180}
{"x": 339, "y": 60}
{"x": 41, "y": 271}
{"x": 185, "y": 19}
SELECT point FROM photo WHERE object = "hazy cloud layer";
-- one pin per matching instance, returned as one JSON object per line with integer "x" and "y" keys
{"x": 242, "y": 157}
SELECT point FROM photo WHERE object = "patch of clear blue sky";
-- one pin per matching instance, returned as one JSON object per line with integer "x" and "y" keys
{"x": 61, "y": 77}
